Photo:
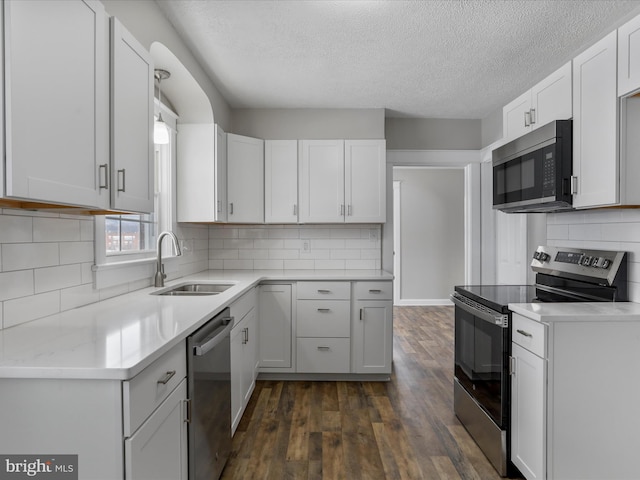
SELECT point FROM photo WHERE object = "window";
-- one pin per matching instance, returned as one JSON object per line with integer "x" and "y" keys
{"x": 126, "y": 238}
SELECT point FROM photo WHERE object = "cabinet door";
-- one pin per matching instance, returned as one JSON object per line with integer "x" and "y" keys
{"x": 132, "y": 154}
{"x": 237, "y": 343}
{"x": 365, "y": 181}
{"x": 220, "y": 166}
{"x": 595, "y": 125}
{"x": 551, "y": 98}
{"x": 629, "y": 57}
{"x": 245, "y": 179}
{"x": 57, "y": 101}
{"x": 275, "y": 326}
{"x": 515, "y": 117}
{"x": 158, "y": 449}
{"x": 372, "y": 336}
{"x": 281, "y": 181}
{"x": 528, "y": 413}
{"x": 322, "y": 181}
{"x": 250, "y": 357}
{"x": 196, "y": 175}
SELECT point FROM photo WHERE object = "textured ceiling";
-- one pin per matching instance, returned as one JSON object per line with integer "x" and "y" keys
{"x": 437, "y": 59}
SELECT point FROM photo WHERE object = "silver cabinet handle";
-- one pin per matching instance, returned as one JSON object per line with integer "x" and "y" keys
{"x": 532, "y": 115}
{"x": 104, "y": 168}
{"x": 526, "y": 334}
{"x": 245, "y": 333}
{"x": 123, "y": 173}
{"x": 375, "y": 290}
{"x": 167, "y": 376}
{"x": 324, "y": 310}
{"x": 187, "y": 404}
{"x": 231, "y": 208}
{"x": 342, "y": 209}
{"x": 512, "y": 366}
{"x": 527, "y": 119}
{"x": 295, "y": 209}
{"x": 323, "y": 347}
{"x": 362, "y": 314}
{"x": 324, "y": 291}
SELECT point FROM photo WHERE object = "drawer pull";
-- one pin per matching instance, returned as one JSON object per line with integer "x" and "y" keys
{"x": 375, "y": 290}
{"x": 526, "y": 334}
{"x": 324, "y": 310}
{"x": 324, "y": 291}
{"x": 167, "y": 376}
{"x": 322, "y": 347}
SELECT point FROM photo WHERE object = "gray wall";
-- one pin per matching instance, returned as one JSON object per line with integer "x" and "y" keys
{"x": 316, "y": 123}
{"x": 432, "y": 134}
{"x": 492, "y": 128}
{"x": 432, "y": 232}
{"x": 147, "y": 23}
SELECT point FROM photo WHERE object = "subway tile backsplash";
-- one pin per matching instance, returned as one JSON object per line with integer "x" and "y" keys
{"x": 606, "y": 229}
{"x": 295, "y": 247}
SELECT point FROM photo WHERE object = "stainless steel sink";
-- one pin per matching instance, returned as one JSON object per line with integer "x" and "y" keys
{"x": 195, "y": 289}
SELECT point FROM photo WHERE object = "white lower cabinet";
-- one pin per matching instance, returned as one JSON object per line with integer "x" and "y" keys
{"x": 574, "y": 395}
{"x": 276, "y": 317}
{"x": 158, "y": 449}
{"x": 244, "y": 354}
{"x": 528, "y": 413}
{"x": 372, "y": 327}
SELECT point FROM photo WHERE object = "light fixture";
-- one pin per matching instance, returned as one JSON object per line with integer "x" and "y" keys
{"x": 160, "y": 129}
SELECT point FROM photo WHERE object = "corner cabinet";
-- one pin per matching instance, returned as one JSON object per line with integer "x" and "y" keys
{"x": 342, "y": 181}
{"x": 57, "y": 102}
{"x": 202, "y": 173}
{"x": 132, "y": 149}
{"x": 245, "y": 179}
{"x": 595, "y": 125}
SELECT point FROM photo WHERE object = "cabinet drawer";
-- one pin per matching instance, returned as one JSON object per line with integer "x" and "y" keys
{"x": 243, "y": 305}
{"x": 529, "y": 334}
{"x": 144, "y": 392}
{"x": 323, "y": 355}
{"x": 324, "y": 290}
{"x": 373, "y": 290}
{"x": 323, "y": 318}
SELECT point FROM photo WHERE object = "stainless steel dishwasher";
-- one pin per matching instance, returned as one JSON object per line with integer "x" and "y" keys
{"x": 209, "y": 387}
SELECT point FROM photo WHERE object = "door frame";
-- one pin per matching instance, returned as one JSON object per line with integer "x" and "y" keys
{"x": 469, "y": 161}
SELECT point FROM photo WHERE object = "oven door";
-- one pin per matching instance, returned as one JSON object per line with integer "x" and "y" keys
{"x": 482, "y": 348}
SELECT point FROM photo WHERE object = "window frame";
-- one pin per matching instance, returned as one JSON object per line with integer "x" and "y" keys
{"x": 127, "y": 266}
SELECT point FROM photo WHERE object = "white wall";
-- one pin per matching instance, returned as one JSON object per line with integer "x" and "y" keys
{"x": 432, "y": 236}
{"x": 606, "y": 229}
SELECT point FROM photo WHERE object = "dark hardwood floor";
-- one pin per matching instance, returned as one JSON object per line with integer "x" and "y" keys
{"x": 402, "y": 429}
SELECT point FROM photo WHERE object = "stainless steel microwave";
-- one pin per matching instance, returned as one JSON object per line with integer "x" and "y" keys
{"x": 533, "y": 172}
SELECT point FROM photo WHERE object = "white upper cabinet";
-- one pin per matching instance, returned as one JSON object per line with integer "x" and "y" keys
{"x": 201, "y": 175}
{"x": 548, "y": 100}
{"x": 132, "y": 149}
{"x": 629, "y": 57}
{"x": 342, "y": 181}
{"x": 365, "y": 181}
{"x": 245, "y": 179}
{"x": 595, "y": 125}
{"x": 322, "y": 181}
{"x": 281, "y": 181}
{"x": 57, "y": 102}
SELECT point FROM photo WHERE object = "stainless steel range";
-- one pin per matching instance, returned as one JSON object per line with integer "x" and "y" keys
{"x": 482, "y": 387}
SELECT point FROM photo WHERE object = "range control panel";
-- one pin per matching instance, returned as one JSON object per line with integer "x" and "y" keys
{"x": 589, "y": 264}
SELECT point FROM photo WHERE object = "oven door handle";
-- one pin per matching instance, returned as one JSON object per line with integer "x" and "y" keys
{"x": 480, "y": 311}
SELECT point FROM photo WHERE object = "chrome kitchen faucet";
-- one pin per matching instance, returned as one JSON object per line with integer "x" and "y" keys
{"x": 160, "y": 275}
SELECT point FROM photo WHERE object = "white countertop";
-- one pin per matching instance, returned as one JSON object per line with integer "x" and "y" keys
{"x": 117, "y": 338}
{"x": 582, "y": 312}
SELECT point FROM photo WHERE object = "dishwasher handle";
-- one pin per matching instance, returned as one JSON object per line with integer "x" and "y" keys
{"x": 213, "y": 339}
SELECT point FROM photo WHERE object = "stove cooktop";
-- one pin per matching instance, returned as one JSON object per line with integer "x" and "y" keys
{"x": 498, "y": 297}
